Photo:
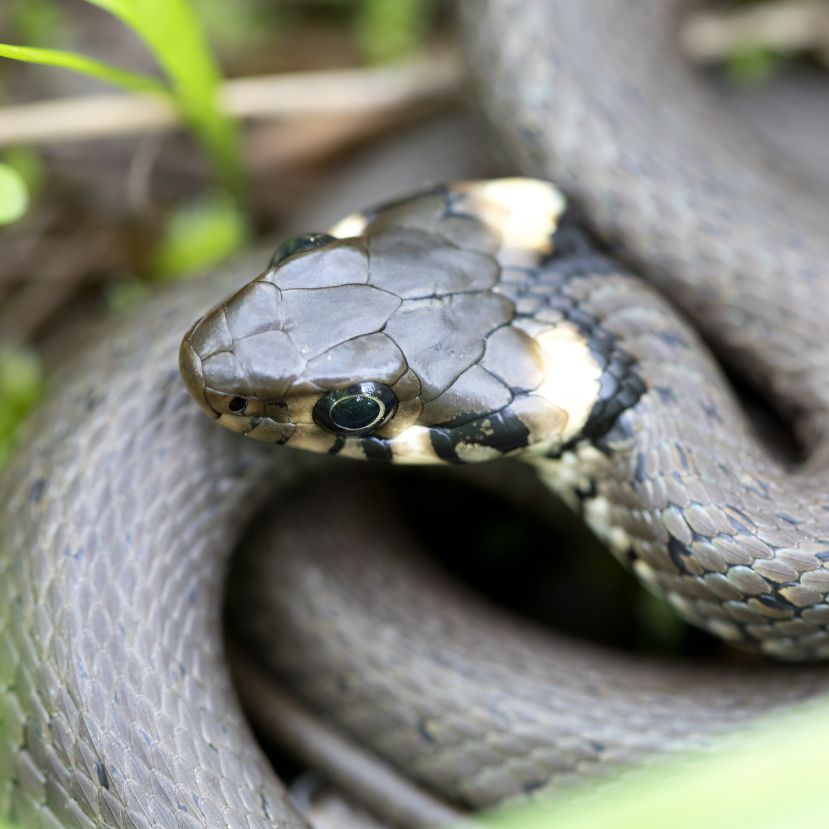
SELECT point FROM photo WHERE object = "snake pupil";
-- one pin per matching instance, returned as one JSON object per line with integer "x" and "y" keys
{"x": 356, "y": 411}
{"x": 237, "y": 404}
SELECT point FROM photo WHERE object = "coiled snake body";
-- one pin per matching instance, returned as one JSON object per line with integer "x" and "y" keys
{"x": 461, "y": 324}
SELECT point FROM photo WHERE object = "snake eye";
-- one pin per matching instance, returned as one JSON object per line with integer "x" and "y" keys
{"x": 356, "y": 411}
{"x": 237, "y": 405}
{"x": 297, "y": 244}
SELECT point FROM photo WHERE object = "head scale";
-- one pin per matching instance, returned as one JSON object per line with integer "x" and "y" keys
{"x": 402, "y": 340}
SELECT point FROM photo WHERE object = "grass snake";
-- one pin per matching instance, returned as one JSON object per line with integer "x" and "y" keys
{"x": 458, "y": 325}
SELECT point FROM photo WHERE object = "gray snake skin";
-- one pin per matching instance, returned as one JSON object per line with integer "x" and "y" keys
{"x": 119, "y": 513}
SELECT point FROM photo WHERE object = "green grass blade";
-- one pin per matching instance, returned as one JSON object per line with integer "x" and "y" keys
{"x": 174, "y": 34}
{"x": 86, "y": 66}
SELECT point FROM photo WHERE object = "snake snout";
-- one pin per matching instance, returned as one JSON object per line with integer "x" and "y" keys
{"x": 231, "y": 404}
{"x": 190, "y": 366}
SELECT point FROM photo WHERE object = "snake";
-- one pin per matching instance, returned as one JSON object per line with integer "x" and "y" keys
{"x": 570, "y": 327}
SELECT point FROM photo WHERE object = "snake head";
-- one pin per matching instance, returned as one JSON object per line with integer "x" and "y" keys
{"x": 400, "y": 335}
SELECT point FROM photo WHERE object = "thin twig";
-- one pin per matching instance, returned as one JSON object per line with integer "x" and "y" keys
{"x": 276, "y": 96}
{"x": 313, "y": 140}
{"x": 140, "y": 172}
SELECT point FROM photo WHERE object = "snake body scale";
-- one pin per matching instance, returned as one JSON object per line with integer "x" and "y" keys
{"x": 463, "y": 323}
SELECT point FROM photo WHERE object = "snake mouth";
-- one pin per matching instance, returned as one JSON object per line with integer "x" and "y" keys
{"x": 259, "y": 427}
{"x": 269, "y": 422}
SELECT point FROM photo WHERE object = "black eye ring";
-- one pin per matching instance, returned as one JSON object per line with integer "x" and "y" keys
{"x": 297, "y": 244}
{"x": 356, "y": 411}
{"x": 237, "y": 405}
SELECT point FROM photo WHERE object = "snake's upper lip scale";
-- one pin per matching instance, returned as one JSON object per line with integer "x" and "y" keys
{"x": 190, "y": 366}
{"x": 259, "y": 427}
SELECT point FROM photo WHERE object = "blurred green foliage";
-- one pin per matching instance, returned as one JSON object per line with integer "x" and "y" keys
{"x": 389, "y": 29}
{"x": 21, "y": 386}
{"x": 752, "y": 64}
{"x": 239, "y": 27}
{"x": 126, "y": 293}
{"x": 198, "y": 234}
{"x": 36, "y": 22}
{"x": 383, "y": 30}
{"x": 14, "y": 195}
{"x": 172, "y": 31}
{"x": 771, "y": 779}
{"x": 28, "y": 165}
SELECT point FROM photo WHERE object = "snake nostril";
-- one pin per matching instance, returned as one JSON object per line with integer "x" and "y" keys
{"x": 237, "y": 405}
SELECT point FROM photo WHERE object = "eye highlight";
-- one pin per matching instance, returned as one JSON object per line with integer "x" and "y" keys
{"x": 357, "y": 410}
{"x": 297, "y": 244}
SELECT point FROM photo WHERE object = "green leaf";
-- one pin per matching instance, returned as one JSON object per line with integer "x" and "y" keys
{"x": 86, "y": 66}
{"x": 14, "y": 197}
{"x": 172, "y": 31}
{"x": 198, "y": 235}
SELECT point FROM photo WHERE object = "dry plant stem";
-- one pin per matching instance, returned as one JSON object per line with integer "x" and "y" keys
{"x": 797, "y": 25}
{"x": 317, "y": 138}
{"x": 56, "y": 268}
{"x": 277, "y": 96}
{"x": 139, "y": 174}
